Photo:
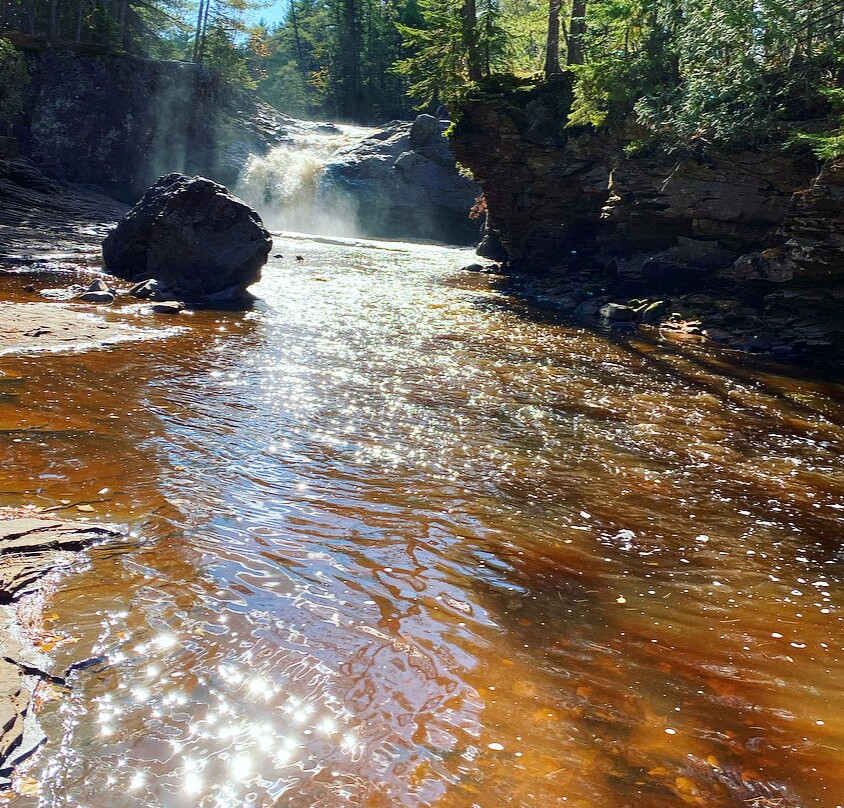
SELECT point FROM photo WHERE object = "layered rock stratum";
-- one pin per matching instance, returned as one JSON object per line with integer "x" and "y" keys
{"x": 746, "y": 242}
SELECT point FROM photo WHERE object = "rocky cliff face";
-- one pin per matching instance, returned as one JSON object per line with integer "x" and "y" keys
{"x": 118, "y": 122}
{"x": 115, "y": 123}
{"x": 748, "y": 242}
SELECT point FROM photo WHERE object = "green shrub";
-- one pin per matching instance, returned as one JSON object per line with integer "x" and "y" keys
{"x": 828, "y": 145}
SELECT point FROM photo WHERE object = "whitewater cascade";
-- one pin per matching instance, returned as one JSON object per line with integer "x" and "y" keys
{"x": 284, "y": 184}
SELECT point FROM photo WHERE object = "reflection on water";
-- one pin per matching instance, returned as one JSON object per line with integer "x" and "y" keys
{"x": 398, "y": 543}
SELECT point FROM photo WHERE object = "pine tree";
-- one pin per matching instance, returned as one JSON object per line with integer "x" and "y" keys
{"x": 458, "y": 44}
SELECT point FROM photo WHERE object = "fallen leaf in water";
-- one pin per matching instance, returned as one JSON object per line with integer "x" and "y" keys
{"x": 28, "y": 787}
{"x": 686, "y": 787}
{"x": 47, "y": 692}
{"x": 621, "y": 599}
{"x": 85, "y": 508}
{"x": 51, "y": 639}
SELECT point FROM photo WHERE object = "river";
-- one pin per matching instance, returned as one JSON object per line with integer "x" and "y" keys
{"x": 399, "y": 540}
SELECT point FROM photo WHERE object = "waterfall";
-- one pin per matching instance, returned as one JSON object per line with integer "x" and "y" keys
{"x": 284, "y": 184}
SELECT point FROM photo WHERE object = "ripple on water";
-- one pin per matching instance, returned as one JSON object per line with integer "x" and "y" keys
{"x": 399, "y": 542}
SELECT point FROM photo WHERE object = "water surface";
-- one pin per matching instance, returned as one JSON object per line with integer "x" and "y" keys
{"x": 399, "y": 541}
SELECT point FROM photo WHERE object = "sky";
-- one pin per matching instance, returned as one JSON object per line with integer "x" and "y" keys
{"x": 272, "y": 14}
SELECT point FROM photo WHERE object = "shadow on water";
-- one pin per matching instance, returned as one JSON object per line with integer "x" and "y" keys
{"x": 717, "y": 363}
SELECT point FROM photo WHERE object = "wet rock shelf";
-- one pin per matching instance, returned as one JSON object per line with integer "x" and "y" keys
{"x": 30, "y": 549}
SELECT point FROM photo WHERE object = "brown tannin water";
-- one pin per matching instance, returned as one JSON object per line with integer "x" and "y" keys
{"x": 397, "y": 541}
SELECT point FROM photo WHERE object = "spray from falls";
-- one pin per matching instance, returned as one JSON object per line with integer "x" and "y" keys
{"x": 284, "y": 185}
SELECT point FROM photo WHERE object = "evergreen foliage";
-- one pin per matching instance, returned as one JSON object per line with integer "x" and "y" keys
{"x": 135, "y": 26}
{"x": 13, "y": 80}
{"x": 829, "y": 144}
{"x": 690, "y": 71}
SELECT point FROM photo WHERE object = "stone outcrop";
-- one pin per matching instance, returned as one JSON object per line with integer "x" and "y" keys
{"x": 28, "y": 327}
{"x": 37, "y": 213}
{"x": 192, "y": 236}
{"x": 403, "y": 182}
{"x": 803, "y": 275}
{"x": 812, "y": 235}
{"x": 756, "y": 229}
{"x": 116, "y": 122}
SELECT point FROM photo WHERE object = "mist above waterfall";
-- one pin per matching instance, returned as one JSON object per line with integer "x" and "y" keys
{"x": 284, "y": 184}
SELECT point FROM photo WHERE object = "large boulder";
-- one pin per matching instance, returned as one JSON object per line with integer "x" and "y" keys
{"x": 190, "y": 234}
{"x": 403, "y": 182}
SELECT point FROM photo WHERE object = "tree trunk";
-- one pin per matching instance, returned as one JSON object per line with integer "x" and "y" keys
{"x": 198, "y": 32}
{"x": 29, "y": 24}
{"x": 294, "y": 20}
{"x": 552, "y": 43}
{"x": 121, "y": 23}
{"x": 577, "y": 32}
{"x": 80, "y": 16}
{"x": 204, "y": 30}
{"x": 53, "y": 24}
{"x": 350, "y": 58}
{"x": 810, "y": 30}
{"x": 469, "y": 18}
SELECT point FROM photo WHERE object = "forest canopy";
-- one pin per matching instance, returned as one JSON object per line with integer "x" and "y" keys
{"x": 723, "y": 71}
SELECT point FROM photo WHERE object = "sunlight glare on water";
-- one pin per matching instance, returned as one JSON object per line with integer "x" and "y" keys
{"x": 397, "y": 540}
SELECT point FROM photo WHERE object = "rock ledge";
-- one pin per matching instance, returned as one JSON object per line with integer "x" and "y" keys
{"x": 30, "y": 548}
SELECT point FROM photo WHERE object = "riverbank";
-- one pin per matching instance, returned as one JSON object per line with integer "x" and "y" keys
{"x": 38, "y": 213}
{"x": 33, "y": 549}
{"x": 45, "y": 226}
{"x": 712, "y": 321}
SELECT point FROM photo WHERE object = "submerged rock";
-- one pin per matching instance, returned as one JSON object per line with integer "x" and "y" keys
{"x": 192, "y": 236}
{"x": 168, "y": 307}
{"x": 30, "y": 549}
{"x": 42, "y": 326}
{"x": 104, "y": 298}
{"x": 618, "y": 313}
{"x": 63, "y": 292}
